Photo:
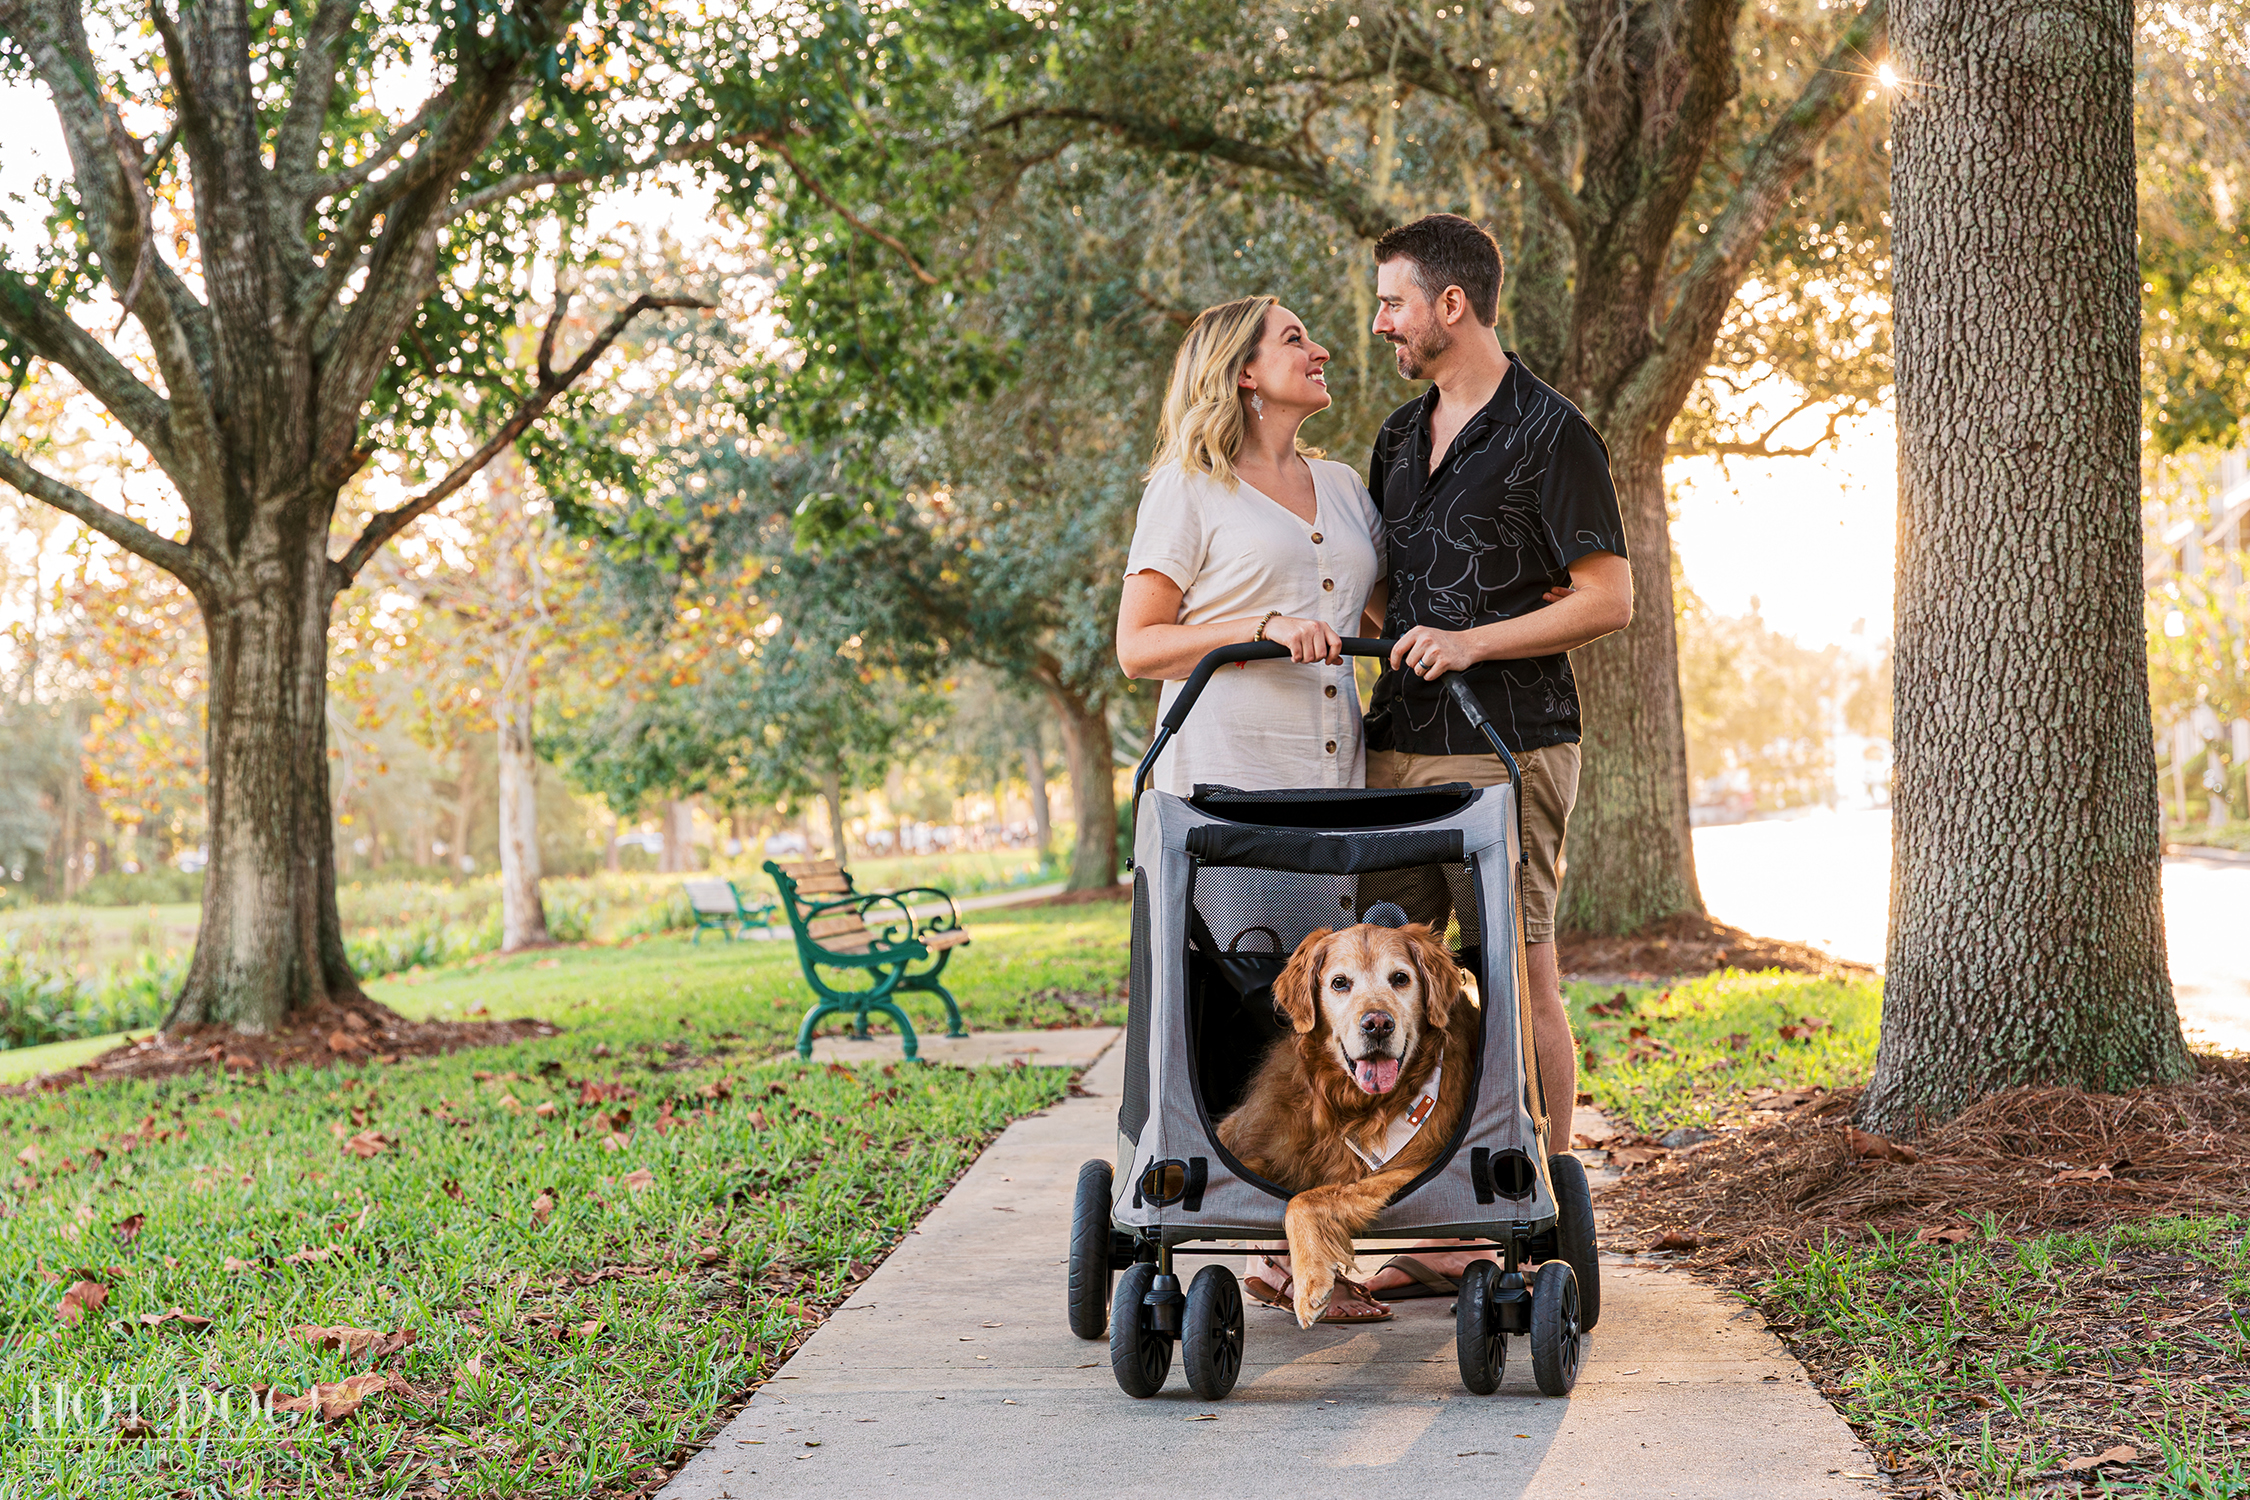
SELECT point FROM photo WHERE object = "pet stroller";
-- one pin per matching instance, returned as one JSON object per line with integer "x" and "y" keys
{"x": 1225, "y": 885}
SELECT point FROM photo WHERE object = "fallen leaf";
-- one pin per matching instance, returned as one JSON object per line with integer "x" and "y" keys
{"x": 639, "y": 1178}
{"x": 133, "y": 1427}
{"x": 614, "y": 1143}
{"x": 708, "y": 1254}
{"x": 1585, "y": 1142}
{"x": 192, "y": 1322}
{"x": 1674, "y": 1239}
{"x": 544, "y": 1109}
{"x": 28, "y": 1156}
{"x": 757, "y": 1119}
{"x": 353, "y": 1340}
{"x": 339, "y": 1400}
{"x": 508, "y": 1102}
{"x": 343, "y": 1043}
{"x": 452, "y": 1190}
{"x": 236, "y": 1263}
{"x": 367, "y": 1143}
{"x": 79, "y": 1299}
{"x": 128, "y": 1227}
{"x": 306, "y": 1254}
{"x": 1879, "y": 1148}
{"x": 1208, "y": 1416}
{"x": 2121, "y": 1454}
{"x": 1947, "y": 1234}
{"x": 2085, "y": 1174}
{"x": 1628, "y": 1157}
{"x": 542, "y": 1208}
{"x": 474, "y": 1367}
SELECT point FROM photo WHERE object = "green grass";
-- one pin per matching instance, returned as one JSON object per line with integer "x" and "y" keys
{"x": 19, "y": 1063}
{"x": 767, "y": 1185}
{"x": 1704, "y": 1041}
{"x": 1988, "y": 1366}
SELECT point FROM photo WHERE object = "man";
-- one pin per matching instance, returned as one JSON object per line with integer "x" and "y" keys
{"x": 1506, "y": 552}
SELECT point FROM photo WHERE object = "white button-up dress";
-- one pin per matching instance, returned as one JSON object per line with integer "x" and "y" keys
{"x": 1236, "y": 553}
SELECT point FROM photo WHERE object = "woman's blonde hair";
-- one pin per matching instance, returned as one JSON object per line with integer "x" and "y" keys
{"x": 1202, "y": 428}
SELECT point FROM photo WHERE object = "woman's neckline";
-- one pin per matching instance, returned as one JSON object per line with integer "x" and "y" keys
{"x": 1311, "y": 525}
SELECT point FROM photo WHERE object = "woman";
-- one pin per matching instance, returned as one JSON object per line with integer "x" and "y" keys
{"x": 1245, "y": 534}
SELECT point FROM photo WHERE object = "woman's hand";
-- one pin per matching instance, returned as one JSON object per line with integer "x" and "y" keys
{"x": 1307, "y": 640}
{"x": 1430, "y": 654}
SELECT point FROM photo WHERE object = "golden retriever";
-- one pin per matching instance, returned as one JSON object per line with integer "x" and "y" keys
{"x": 1374, "y": 1011}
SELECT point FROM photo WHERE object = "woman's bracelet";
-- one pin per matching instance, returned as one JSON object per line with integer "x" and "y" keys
{"x": 1258, "y": 636}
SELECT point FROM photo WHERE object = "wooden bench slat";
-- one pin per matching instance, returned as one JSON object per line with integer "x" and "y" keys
{"x": 802, "y": 868}
{"x": 827, "y": 927}
{"x": 823, "y": 885}
{"x": 938, "y": 942}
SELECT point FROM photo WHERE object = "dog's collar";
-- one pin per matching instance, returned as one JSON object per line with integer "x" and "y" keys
{"x": 1406, "y": 1126}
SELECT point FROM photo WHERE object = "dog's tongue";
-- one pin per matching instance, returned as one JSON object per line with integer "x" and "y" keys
{"x": 1377, "y": 1075}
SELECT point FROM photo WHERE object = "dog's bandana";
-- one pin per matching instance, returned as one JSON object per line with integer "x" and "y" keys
{"x": 1403, "y": 1127}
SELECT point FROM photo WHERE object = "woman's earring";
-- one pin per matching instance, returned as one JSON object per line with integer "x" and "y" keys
{"x": 1258, "y": 405}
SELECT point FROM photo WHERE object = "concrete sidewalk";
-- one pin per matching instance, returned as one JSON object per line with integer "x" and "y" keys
{"x": 952, "y": 1372}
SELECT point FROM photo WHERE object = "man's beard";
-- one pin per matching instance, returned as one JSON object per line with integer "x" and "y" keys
{"x": 1420, "y": 348}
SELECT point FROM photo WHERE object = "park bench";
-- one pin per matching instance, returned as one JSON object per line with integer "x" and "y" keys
{"x": 871, "y": 934}
{"x": 718, "y": 904}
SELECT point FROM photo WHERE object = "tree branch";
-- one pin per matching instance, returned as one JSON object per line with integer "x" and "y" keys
{"x": 1763, "y": 446}
{"x": 1367, "y": 218}
{"x": 1708, "y": 286}
{"x": 296, "y": 142}
{"x": 54, "y": 336}
{"x": 173, "y": 557}
{"x": 382, "y": 527}
{"x": 771, "y": 142}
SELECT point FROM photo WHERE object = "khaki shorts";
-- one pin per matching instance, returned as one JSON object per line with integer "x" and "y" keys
{"x": 1550, "y": 790}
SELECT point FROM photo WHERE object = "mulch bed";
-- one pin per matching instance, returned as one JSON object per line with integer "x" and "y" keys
{"x": 1691, "y": 944}
{"x": 2037, "y": 1160}
{"x": 331, "y": 1032}
{"x": 2150, "y": 1331}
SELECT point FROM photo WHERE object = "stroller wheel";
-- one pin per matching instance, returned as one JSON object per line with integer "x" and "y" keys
{"x": 1574, "y": 1233}
{"x": 1089, "y": 1252}
{"x": 1477, "y": 1339}
{"x": 1557, "y": 1338}
{"x": 1211, "y": 1333}
{"x": 1139, "y": 1356}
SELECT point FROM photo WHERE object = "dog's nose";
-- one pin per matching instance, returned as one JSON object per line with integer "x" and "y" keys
{"x": 1377, "y": 1024}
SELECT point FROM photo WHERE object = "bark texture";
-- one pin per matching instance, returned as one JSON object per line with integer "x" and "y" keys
{"x": 2027, "y": 937}
{"x": 523, "y": 915}
{"x": 832, "y": 793}
{"x": 1093, "y": 787}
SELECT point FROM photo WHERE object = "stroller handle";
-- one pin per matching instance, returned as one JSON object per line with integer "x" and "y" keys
{"x": 1353, "y": 645}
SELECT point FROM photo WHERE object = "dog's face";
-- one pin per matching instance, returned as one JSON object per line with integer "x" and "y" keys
{"x": 1378, "y": 993}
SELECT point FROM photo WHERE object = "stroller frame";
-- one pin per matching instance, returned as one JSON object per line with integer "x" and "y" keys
{"x": 1218, "y": 867}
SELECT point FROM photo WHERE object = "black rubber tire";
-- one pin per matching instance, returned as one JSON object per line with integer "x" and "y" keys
{"x": 1138, "y": 1358}
{"x": 1477, "y": 1339}
{"x": 1574, "y": 1233}
{"x": 1211, "y": 1333}
{"x": 1089, "y": 1253}
{"x": 1558, "y": 1340}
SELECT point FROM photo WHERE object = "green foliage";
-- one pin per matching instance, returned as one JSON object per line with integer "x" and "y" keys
{"x": 161, "y": 886}
{"x": 1673, "y": 1056}
{"x": 39, "y": 1005}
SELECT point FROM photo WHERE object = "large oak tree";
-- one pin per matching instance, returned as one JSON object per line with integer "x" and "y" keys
{"x": 2027, "y": 934}
{"x": 313, "y": 276}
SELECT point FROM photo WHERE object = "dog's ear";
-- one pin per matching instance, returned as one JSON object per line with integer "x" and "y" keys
{"x": 1441, "y": 976}
{"x": 1293, "y": 991}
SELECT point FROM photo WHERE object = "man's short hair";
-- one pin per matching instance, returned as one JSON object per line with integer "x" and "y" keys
{"x": 1448, "y": 250}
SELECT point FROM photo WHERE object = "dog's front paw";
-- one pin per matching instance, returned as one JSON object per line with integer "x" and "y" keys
{"x": 1313, "y": 1289}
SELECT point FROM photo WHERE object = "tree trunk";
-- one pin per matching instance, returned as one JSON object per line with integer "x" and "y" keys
{"x": 679, "y": 827}
{"x": 523, "y": 916}
{"x": 270, "y": 944}
{"x": 464, "y": 813}
{"x": 1042, "y": 812}
{"x": 1631, "y": 861}
{"x": 832, "y": 792}
{"x": 2027, "y": 940}
{"x": 1093, "y": 788}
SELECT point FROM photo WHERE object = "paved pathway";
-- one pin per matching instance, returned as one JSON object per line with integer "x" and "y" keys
{"x": 952, "y": 1372}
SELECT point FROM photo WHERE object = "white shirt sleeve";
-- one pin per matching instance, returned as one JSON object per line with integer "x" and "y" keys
{"x": 1169, "y": 537}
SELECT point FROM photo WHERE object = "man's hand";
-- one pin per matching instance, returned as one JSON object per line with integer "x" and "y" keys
{"x": 1430, "y": 654}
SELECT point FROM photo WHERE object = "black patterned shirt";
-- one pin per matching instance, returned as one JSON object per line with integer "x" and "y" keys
{"x": 1523, "y": 493}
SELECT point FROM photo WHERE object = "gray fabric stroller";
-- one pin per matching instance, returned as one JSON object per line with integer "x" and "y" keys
{"x": 1225, "y": 885}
